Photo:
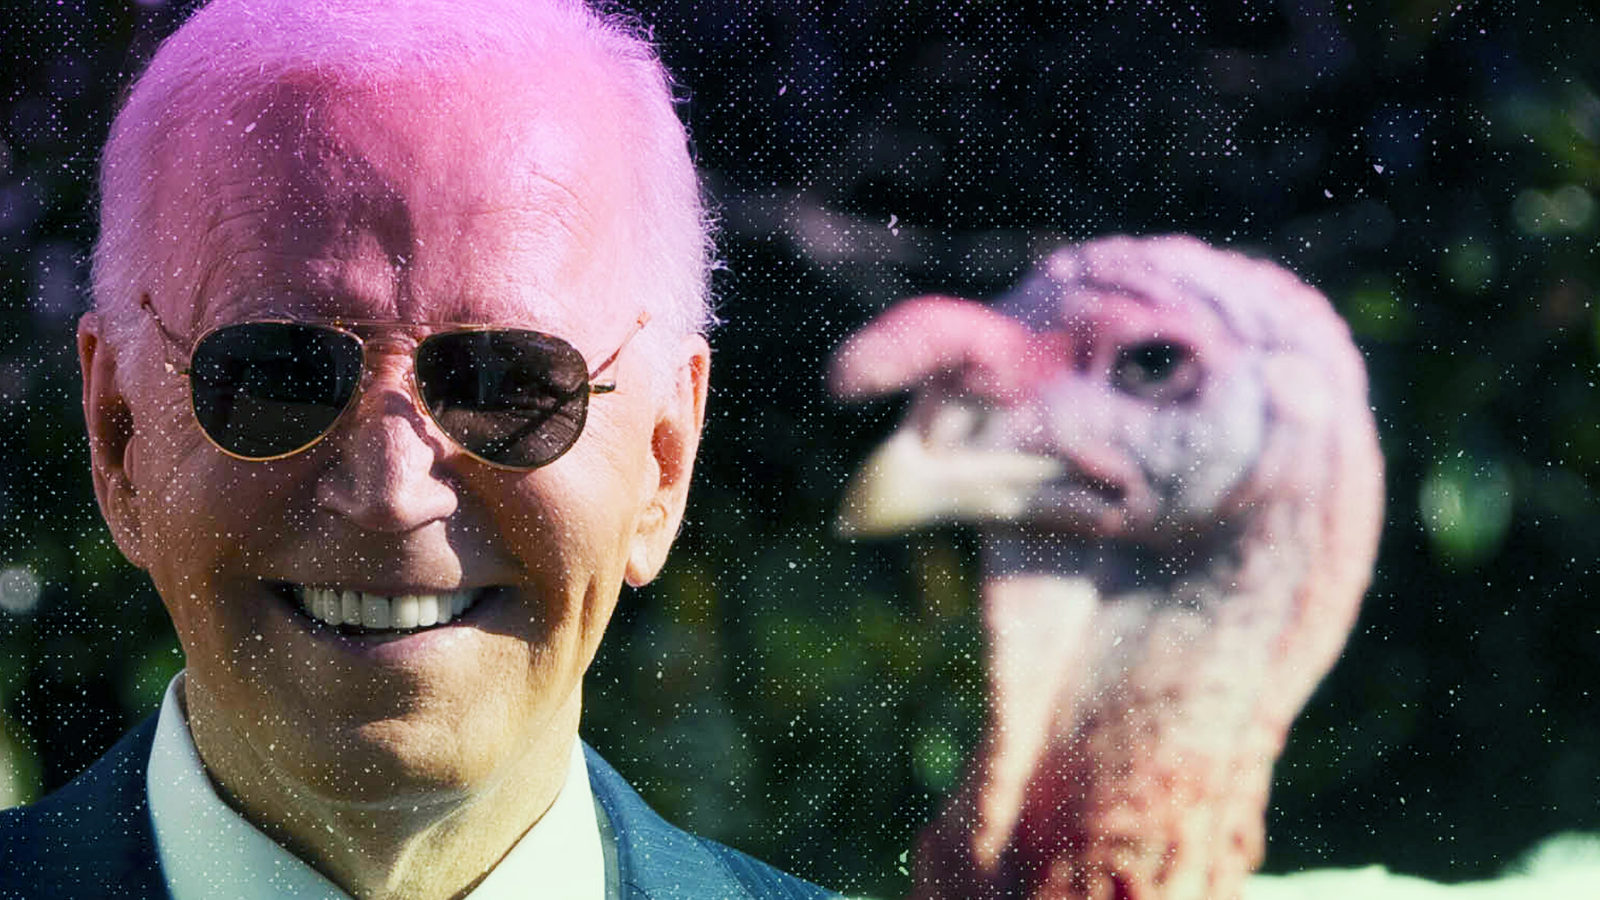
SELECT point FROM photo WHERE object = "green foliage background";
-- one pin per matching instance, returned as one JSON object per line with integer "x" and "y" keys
{"x": 1431, "y": 165}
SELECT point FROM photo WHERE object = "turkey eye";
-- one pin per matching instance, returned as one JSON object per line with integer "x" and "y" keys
{"x": 1156, "y": 370}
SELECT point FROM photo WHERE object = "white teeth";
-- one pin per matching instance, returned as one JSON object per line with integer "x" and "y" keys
{"x": 377, "y": 611}
{"x": 404, "y": 611}
{"x": 349, "y": 608}
{"x": 428, "y": 610}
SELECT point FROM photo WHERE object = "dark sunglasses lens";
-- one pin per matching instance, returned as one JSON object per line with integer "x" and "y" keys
{"x": 514, "y": 398}
{"x": 268, "y": 389}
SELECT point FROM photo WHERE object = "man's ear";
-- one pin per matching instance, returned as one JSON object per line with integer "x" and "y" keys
{"x": 110, "y": 425}
{"x": 673, "y": 443}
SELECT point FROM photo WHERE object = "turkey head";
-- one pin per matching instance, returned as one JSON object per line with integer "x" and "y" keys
{"x": 1169, "y": 456}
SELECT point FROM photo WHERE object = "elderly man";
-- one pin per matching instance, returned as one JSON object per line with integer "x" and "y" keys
{"x": 395, "y": 375}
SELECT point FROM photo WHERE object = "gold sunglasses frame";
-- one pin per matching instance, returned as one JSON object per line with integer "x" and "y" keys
{"x": 346, "y": 326}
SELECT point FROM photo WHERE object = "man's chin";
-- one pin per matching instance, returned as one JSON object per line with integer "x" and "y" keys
{"x": 390, "y": 766}
{"x": 406, "y": 764}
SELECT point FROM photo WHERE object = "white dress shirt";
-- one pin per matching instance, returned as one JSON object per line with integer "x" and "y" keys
{"x": 208, "y": 851}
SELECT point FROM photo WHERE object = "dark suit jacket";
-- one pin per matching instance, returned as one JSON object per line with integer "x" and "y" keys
{"x": 93, "y": 839}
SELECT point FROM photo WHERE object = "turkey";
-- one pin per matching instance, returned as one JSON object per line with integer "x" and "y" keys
{"x": 1168, "y": 453}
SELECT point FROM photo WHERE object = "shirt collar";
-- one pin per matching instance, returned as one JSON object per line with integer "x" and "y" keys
{"x": 208, "y": 850}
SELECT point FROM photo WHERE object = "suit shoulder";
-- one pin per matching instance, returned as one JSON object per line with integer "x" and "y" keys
{"x": 90, "y": 839}
{"x": 762, "y": 880}
{"x": 655, "y": 860}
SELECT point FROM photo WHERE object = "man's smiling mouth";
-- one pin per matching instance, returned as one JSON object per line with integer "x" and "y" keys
{"x": 364, "y": 611}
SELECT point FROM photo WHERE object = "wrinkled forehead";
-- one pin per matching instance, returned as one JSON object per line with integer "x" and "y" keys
{"x": 494, "y": 162}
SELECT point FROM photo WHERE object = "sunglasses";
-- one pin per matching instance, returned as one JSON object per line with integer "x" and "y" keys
{"x": 513, "y": 398}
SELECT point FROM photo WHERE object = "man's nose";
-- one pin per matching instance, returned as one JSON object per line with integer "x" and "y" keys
{"x": 388, "y": 468}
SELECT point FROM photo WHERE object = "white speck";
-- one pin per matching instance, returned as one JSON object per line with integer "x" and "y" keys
{"x": 1327, "y": 193}
{"x": 782, "y": 89}
{"x": 249, "y": 128}
{"x": 1377, "y": 168}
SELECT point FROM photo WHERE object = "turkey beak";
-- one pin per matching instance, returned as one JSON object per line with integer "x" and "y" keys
{"x": 931, "y": 470}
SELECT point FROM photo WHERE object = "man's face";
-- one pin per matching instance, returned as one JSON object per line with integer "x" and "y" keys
{"x": 468, "y": 204}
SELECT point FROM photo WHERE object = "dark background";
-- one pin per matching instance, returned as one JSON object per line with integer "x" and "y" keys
{"x": 1432, "y": 166}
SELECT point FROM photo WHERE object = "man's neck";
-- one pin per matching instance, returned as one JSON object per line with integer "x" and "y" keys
{"x": 421, "y": 847}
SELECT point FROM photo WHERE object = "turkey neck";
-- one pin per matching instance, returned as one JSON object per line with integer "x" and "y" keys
{"x": 1135, "y": 719}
